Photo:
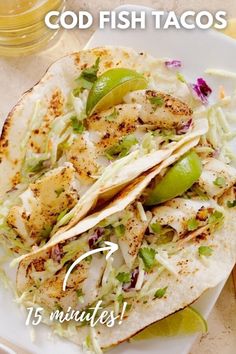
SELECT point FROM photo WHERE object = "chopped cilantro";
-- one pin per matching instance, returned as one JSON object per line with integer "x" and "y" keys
{"x": 156, "y": 102}
{"x": 192, "y": 224}
{"x": 200, "y": 192}
{"x": 83, "y": 84}
{"x": 219, "y": 182}
{"x": 79, "y": 293}
{"x": 77, "y": 125}
{"x": 46, "y": 231}
{"x": 88, "y": 76}
{"x": 156, "y": 227}
{"x": 215, "y": 217}
{"x": 58, "y": 307}
{"x": 89, "y": 259}
{"x": 128, "y": 307}
{"x": 119, "y": 230}
{"x": 68, "y": 264}
{"x": 205, "y": 251}
{"x": 160, "y": 293}
{"x": 123, "y": 277}
{"x": 113, "y": 152}
{"x": 76, "y": 92}
{"x": 121, "y": 149}
{"x": 128, "y": 141}
{"x": 231, "y": 204}
{"x": 37, "y": 167}
{"x": 112, "y": 116}
{"x": 120, "y": 299}
{"x": 147, "y": 254}
{"x": 59, "y": 191}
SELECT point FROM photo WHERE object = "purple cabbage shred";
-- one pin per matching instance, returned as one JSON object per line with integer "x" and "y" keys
{"x": 216, "y": 153}
{"x": 202, "y": 90}
{"x": 56, "y": 253}
{"x": 170, "y": 64}
{"x": 184, "y": 128}
{"x": 133, "y": 281}
{"x": 93, "y": 240}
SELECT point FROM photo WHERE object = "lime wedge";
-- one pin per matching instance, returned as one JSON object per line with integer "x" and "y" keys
{"x": 185, "y": 322}
{"x": 110, "y": 88}
{"x": 177, "y": 180}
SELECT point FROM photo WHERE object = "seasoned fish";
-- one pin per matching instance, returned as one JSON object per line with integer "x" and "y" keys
{"x": 42, "y": 203}
{"x": 83, "y": 283}
{"x": 160, "y": 109}
{"x": 177, "y": 212}
{"x": 88, "y": 150}
{"x": 130, "y": 242}
{"x": 216, "y": 177}
{"x": 106, "y": 129}
{"x": 50, "y": 126}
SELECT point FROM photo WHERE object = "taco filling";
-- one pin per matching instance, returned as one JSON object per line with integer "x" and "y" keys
{"x": 159, "y": 245}
{"x": 107, "y": 127}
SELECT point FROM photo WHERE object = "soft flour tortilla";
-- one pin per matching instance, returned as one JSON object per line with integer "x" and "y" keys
{"x": 121, "y": 201}
{"x": 106, "y": 187}
{"x": 194, "y": 275}
{"x": 194, "y": 278}
{"x": 53, "y": 91}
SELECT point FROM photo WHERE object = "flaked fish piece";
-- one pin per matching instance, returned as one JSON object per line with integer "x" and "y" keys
{"x": 216, "y": 177}
{"x": 42, "y": 203}
{"x": 107, "y": 128}
{"x": 82, "y": 287}
{"x": 177, "y": 212}
{"x": 161, "y": 109}
{"x": 83, "y": 155}
{"x": 47, "y": 273}
{"x": 131, "y": 241}
{"x": 103, "y": 130}
{"x": 114, "y": 123}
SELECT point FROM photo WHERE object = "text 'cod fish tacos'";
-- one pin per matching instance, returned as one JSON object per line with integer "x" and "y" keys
{"x": 96, "y": 121}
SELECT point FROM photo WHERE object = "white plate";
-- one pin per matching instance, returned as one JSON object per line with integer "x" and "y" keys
{"x": 198, "y": 50}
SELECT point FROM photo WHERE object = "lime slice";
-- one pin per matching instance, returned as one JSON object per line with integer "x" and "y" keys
{"x": 110, "y": 88}
{"x": 185, "y": 322}
{"x": 177, "y": 180}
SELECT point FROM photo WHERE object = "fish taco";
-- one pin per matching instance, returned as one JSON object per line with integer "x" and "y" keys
{"x": 176, "y": 238}
{"x": 96, "y": 121}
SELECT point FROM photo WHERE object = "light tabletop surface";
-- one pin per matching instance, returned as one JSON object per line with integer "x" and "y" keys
{"x": 19, "y": 74}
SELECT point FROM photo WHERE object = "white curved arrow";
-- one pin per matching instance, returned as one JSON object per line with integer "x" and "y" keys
{"x": 111, "y": 247}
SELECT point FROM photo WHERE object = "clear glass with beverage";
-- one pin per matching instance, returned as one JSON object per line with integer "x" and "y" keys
{"x": 22, "y": 27}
